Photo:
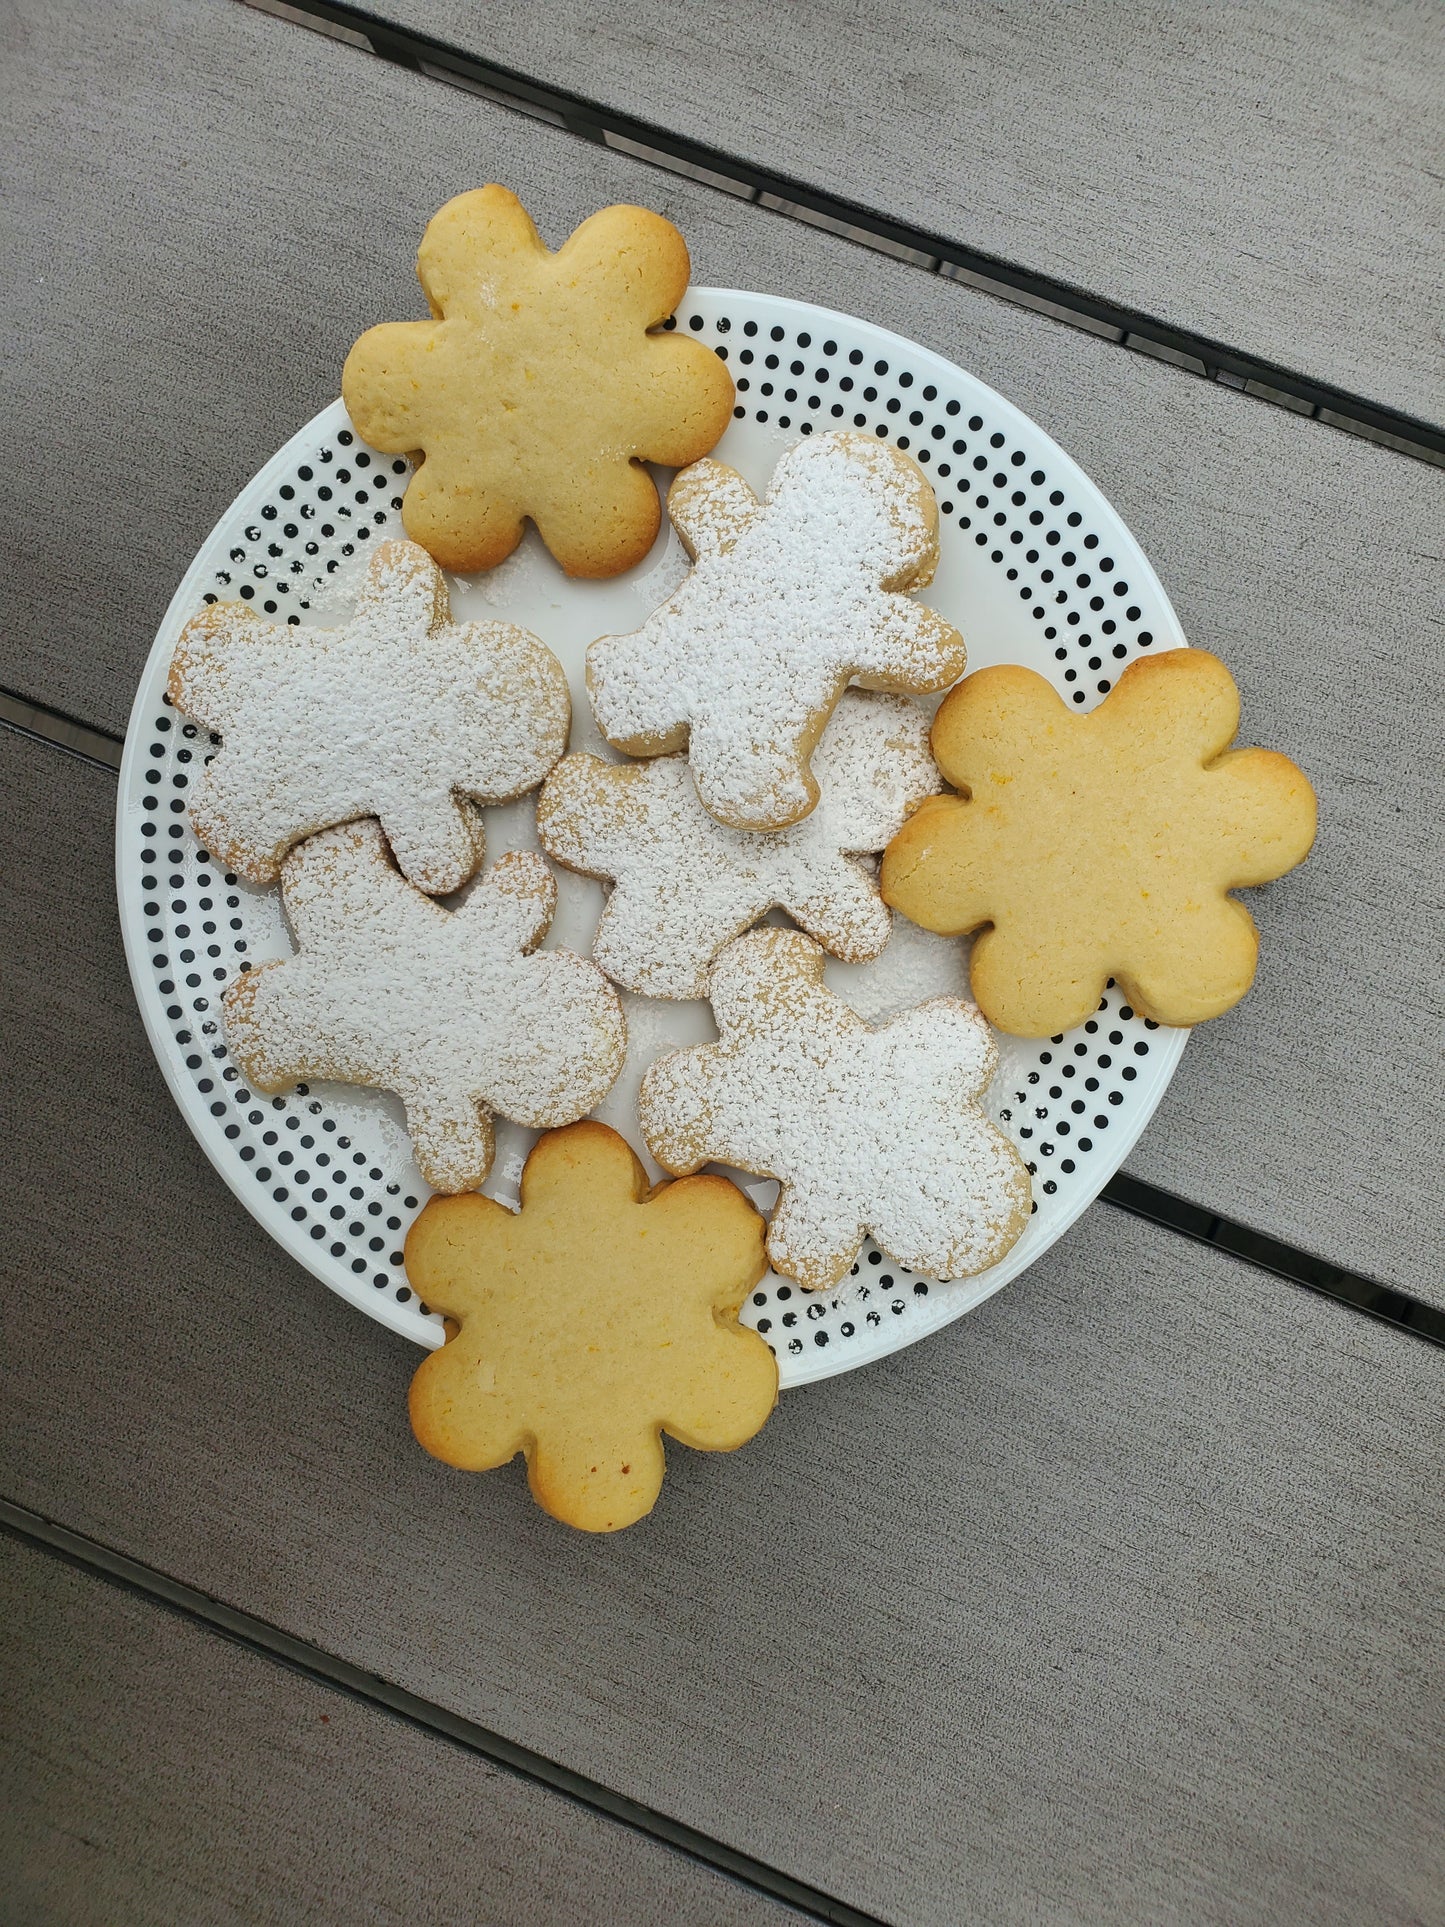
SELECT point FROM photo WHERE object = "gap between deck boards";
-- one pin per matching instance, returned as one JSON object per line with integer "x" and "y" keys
{"x": 102, "y": 749}
{"x": 1197, "y": 354}
{"x": 315, "y": 1663}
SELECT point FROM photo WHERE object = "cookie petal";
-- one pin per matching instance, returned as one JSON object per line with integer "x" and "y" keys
{"x": 382, "y": 385}
{"x": 597, "y": 1479}
{"x": 474, "y": 245}
{"x": 458, "y": 513}
{"x": 640, "y": 257}
{"x": 1265, "y": 813}
{"x": 597, "y": 519}
{"x": 459, "y": 1411}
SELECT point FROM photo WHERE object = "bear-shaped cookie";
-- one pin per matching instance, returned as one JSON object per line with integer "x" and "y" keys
{"x": 1085, "y": 847}
{"x": 788, "y": 601}
{"x": 684, "y": 884}
{"x": 597, "y": 1317}
{"x": 539, "y": 389}
{"x": 399, "y": 714}
{"x": 454, "y": 1010}
{"x": 865, "y": 1129}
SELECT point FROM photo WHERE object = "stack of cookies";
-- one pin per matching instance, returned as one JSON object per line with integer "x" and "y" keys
{"x": 775, "y": 752}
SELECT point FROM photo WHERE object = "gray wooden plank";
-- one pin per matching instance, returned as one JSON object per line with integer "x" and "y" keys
{"x": 1167, "y": 158}
{"x": 1118, "y": 1600}
{"x": 152, "y": 1771}
{"x": 157, "y": 366}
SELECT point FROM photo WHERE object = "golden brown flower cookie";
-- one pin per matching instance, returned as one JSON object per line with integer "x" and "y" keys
{"x": 1100, "y": 846}
{"x": 537, "y": 390}
{"x": 593, "y": 1320}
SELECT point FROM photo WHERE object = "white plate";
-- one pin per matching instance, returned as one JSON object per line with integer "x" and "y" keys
{"x": 1036, "y": 568}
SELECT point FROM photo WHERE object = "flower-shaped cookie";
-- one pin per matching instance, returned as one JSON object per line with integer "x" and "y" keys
{"x": 1102, "y": 845}
{"x": 686, "y": 884}
{"x": 866, "y": 1130}
{"x": 399, "y": 714}
{"x": 448, "y": 1008}
{"x": 789, "y": 601}
{"x": 537, "y": 390}
{"x": 593, "y": 1320}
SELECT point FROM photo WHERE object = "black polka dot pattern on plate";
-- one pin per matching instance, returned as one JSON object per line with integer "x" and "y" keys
{"x": 338, "y": 501}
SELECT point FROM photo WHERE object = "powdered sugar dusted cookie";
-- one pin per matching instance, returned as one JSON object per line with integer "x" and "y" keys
{"x": 540, "y": 386}
{"x": 685, "y": 884}
{"x": 789, "y": 601}
{"x": 866, "y": 1130}
{"x": 448, "y": 1008}
{"x": 399, "y": 714}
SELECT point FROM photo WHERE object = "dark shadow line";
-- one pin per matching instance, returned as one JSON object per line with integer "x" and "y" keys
{"x": 1353, "y": 1288}
{"x": 326, "y": 1669}
{"x": 57, "y": 730}
{"x": 1198, "y": 354}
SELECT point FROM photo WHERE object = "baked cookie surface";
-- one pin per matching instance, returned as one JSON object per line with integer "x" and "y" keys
{"x": 454, "y": 1010}
{"x": 788, "y": 601}
{"x": 867, "y": 1130}
{"x": 399, "y": 714}
{"x": 1102, "y": 845}
{"x": 685, "y": 884}
{"x": 537, "y": 391}
{"x": 594, "y": 1319}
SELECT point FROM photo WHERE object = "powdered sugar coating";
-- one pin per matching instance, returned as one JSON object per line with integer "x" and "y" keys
{"x": 398, "y": 714}
{"x": 448, "y": 1008}
{"x": 685, "y": 884}
{"x": 866, "y": 1130}
{"x": 788, "y": 602}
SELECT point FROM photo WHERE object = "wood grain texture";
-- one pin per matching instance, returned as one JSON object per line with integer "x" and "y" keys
{"x": 1118, "y": 1600}
{"x": 151, "y": 1771}
{"x": 1173, "y": 159}
{"x": 162, "y": 355}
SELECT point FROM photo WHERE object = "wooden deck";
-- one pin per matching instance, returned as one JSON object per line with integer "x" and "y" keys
{"x": 1118, "y": 1600}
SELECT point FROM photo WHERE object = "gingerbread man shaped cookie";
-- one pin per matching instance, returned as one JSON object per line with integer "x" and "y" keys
{"x": 400, "y": 714}
{"x": 454, "y": 1010}
{"x": 538, "y": 390}
{"x": 591, "y": 1321}
{"x": 866, "y": 1130}
{"x": 685, "y": 884}
{"x": 788, "y": 601}
{"x": 1103, "y": 845}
